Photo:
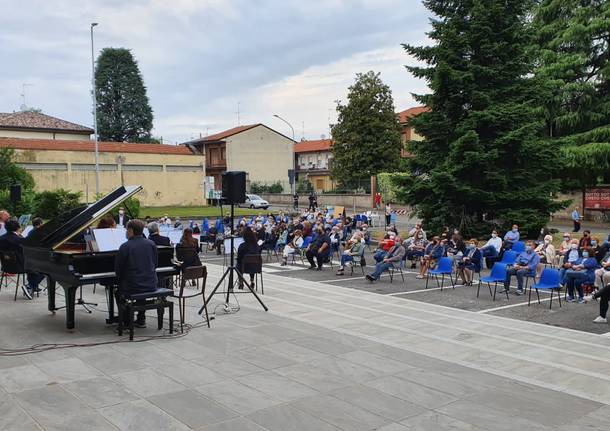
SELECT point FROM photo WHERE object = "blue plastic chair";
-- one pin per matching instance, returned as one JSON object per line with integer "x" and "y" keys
{"x": 444, "y": 267}
{"x": 518, "y": 247}
{"x": 497, "y": 275}
{"x": 509, "y": 257}
{"x": 205, "y": 226}
{"x": 549, "y": 280}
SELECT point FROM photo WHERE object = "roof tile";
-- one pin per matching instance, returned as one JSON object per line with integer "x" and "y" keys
{"x": 89, "y": 146}
{"x": 36, "y": 120}
{"x": 311, "y": 146}
{"x": 407, "y": 114}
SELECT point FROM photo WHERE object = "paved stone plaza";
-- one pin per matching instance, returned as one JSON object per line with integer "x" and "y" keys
{"x": 327, "y": 356}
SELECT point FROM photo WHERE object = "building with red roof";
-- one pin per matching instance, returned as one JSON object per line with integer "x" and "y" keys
{"x": 407, "y": 132}
{"x": 313, "y": 160}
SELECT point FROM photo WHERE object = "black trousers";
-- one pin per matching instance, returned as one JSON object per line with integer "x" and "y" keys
{"x": 120, "y": 301}
{"x": 320, "y": 257}
{"x": 576, "y": 226}
{"x": 604, "y": 296}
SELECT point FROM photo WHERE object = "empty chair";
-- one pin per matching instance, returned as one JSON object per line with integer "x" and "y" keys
{"x": 549, "y": 280}
{"x": 444, "y": 267}
{"x": 518, "y": 247}
{"x": 497, "y": 275}
{"x": 509, "y": 257}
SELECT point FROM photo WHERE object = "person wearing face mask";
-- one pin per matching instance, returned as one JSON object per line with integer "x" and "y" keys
{"x": 571, "y": 256}
{"x": 546, "y": 251}
{"x": 511, "y": 237}
{"x": 493, "y": 246}
{"x": 525, "y": 265}
{"x": 121, "y": 219}
{"x": 318, "y": 249}
{"x": 470, "y": 263}
{"x": 602, "y": 275}
{"x": 582, "y": 271}
{"x": 585, "y": 241}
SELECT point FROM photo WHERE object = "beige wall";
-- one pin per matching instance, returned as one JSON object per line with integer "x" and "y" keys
{"x": 27, "y": 134}
{"x": 162, "y": 176}
{"x": 265, "y": 155}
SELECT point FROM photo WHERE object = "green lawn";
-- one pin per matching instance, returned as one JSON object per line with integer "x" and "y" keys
{"x": 195, "y": 212}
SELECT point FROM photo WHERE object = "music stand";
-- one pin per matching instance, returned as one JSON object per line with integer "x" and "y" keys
{"x": 231, "y": 269}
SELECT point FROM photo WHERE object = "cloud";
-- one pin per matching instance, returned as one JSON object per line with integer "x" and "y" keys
{"x": 199, "y": 58}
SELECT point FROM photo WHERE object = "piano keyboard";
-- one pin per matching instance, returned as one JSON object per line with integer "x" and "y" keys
{"x": 159, "y": 270}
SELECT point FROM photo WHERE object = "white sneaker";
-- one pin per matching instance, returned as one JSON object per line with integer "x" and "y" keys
{"x": 589, "y": 298}
{"x": 600, "y": 319}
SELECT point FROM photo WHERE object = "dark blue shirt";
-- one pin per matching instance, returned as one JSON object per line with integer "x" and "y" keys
{"x": 135, "y": 265}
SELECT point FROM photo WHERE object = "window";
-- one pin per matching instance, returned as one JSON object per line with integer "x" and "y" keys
{"x": 91, "y": 167}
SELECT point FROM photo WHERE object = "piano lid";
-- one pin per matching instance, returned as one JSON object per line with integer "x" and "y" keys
{"x": 56, "y": 232}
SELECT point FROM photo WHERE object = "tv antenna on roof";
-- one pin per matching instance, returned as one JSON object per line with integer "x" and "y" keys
{"x": 23, "y": 104}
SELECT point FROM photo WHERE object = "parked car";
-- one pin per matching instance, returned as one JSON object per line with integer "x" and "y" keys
{"x": 254, "y": 201}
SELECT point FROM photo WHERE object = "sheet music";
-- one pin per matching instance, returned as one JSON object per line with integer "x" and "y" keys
{"x": 175, "y": 235}
{"x": 26, "y": 231}
{"x": 236, "y": 242}
{"x": 109, "y": 239}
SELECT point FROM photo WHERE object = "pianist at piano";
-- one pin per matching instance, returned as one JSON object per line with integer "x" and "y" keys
{"x": 12, "y": 242}
{"x": 135, "y": 266}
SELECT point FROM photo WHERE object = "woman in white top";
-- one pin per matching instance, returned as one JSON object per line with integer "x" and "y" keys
{"x": 546, "y": 251}
{"x": 294, "y": 245}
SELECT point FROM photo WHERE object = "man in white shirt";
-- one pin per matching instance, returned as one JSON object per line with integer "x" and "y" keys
{"x": 4, "y": 217}
{"x": 493, "y": 246}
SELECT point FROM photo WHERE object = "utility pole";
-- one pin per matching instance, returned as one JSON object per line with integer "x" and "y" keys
{"x": 97, "y": 161}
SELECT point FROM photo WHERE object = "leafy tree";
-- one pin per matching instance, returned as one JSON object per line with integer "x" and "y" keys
{"x": 123, "y": 111}
{"x": 49, "y": 204}
{"x": 573, "y": 48}
{"x": 11, "y": 174}
{"x": 367, "y": 134}
{"x": 482, "y": 162}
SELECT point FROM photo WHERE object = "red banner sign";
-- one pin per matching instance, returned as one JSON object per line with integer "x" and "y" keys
{"x": 597, "y": 198}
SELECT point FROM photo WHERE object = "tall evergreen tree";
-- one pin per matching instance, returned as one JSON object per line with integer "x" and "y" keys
{"x": 367, "y": 134}
{"x": 123, "y": 111}
{"x": 482, "y": 161}
{"x": 573, "y": 48}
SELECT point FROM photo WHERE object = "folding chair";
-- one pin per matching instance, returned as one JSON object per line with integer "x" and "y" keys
{"x": 361, "y": 261}
{"x": 194, "y": 273}
{"x": 549, "y": 280}
{"x": 497, "y": 275}
{"x": 518, "y": 247}
{"x": 301, "y": 251}
{"x": 444, "y": 267}
{"x": 255, "y": 264}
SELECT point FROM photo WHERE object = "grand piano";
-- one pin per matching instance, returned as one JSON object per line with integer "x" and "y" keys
{"x": 57, "y": 249}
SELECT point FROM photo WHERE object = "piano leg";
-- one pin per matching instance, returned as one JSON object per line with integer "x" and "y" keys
{"x": 70, "y": 292}
{"x": 51, "y": 294}
{"x": 110, "y": 298}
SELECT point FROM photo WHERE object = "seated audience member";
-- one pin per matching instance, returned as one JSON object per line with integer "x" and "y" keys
{"x": 582, "y": 271}
{"x": 569, "y": 258}
{"x": 433, "y": 252}
{"x": 353, "y": 249}
{"x": 335, "y": 239}
{"x": 282, "y": 238}
{"x": 470, "y": 263}
{"x": 188, "y": 249}
{"x": 493, "y": 246}
{"x": 543, "y": 233}
{"x": 196, "y": 228}
{"x": 415, "y": 248}
{"x": 585, "y": 241}
{"x": 564, "y": 247}
{"x": 546, "y": 251}
{"x": 455, "y": 247}
{"x": 292, "y": 247}
{"x": 319, "y": 248}
{"x": 135, "y": 266}
{"x": 391, "y": 258}
{"x": 247, "y": 248}
{"x": 153, "y": 235}
{"x": 178, "y": 223}
{"x": 525, "y": 265}
{"x": 602, "y": 275}
{"x": 603, "y": 247}
{"x": 384, "y": 245}
{"x": 416, "y": 229}
{"x": 12, "y": 241}
{"x": 511, "y": 237}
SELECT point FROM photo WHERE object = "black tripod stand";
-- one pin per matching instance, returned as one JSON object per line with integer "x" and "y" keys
{"x": 229, "y": 272}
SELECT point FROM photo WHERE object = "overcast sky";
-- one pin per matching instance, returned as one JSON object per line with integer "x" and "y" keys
{"x": 200, "y": 58}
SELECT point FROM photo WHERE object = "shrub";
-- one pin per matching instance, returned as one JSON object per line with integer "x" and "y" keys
{"x": 50, "y": 204}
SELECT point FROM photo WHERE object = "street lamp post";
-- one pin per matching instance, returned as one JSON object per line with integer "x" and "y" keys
{"x": 294, "y": 172}
{"x": 97, "y": 162}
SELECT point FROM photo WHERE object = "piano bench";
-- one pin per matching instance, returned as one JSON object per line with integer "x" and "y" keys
{"x": 136, "y": 302}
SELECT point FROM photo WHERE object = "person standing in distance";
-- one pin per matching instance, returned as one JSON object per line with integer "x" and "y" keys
{"x": 576, "y": 219}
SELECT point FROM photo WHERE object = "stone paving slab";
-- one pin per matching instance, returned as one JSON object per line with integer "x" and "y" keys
{"x": 324, "y": 357}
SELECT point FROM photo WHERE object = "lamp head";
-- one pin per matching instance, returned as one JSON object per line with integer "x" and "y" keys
{"x": 93, "y": 24}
